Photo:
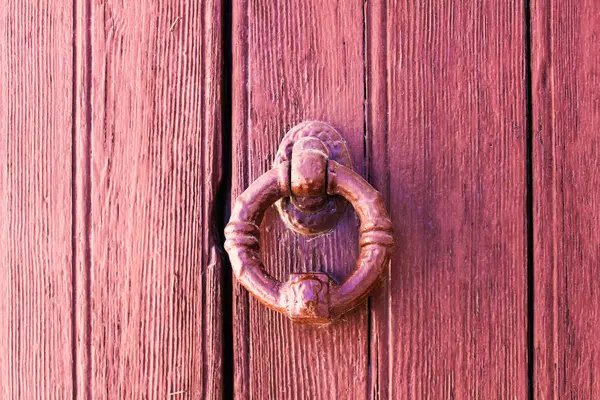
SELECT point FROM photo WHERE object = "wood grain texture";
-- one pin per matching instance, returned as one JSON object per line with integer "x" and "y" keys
{"x": 447, "y": 140}
{"x": 36, "y": 69}
{"x": 150, "y": 81}
{"x": 566, "y": 178}
{"x": 293, "y": 62}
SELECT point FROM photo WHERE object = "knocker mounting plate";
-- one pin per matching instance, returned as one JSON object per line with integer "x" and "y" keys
{"x": 313, "y": 216}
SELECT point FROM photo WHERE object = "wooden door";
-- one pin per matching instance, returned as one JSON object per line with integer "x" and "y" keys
{"x": 432, "y": 100}
{"x": 129, "y": 129}
{"x": 111, "y": 160}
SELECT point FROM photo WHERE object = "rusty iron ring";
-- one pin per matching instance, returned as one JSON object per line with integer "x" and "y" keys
{"x": 309, "y": 297}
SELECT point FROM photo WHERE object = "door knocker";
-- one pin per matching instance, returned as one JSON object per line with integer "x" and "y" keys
{"x": 311, "y": 180}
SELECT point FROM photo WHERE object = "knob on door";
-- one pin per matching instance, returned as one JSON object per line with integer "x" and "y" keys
{"x": 312, "y": 181}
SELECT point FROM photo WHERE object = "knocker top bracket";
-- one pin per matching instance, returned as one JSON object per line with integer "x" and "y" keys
{"x": 310, "y": 210}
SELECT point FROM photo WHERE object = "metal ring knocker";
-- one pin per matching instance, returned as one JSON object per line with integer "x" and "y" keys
{"x": 310, "y": 188}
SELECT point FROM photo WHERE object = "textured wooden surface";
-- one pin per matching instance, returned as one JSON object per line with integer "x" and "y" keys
{"x": 449, "y": 137}
{"x": 293, "y": 62}
{"x": 36, "y": 79}
{"x": 152, "y": 79}
{"x": 445, "y": 141}
{"x": 111, "y": 161}
{"x": 111, "y": 173}
{"x": 566, "y": 162}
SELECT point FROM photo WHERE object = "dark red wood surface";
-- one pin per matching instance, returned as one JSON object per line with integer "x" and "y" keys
{"x": 111, "y": 164}
{"x": 445, "y": 140}
{"x": 447, "y": 132}
{"x": 566, "y": 192}
{"x": 111, "y": 196}
{"x": 294, "y": 62}
{"x": 153, "y": 72}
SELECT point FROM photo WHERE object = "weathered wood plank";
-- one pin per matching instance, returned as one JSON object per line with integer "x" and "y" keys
{"x": 566, "y": 162}
{"x": 154, "y": 145}
{"x": 293, "y": 62}
{"x": 447, "y": 126}
{"x": 82, "y": 200}
{"x": 36, "y": 69}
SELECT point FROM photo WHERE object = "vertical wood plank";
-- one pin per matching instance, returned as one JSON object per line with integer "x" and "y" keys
{"x": 295, "y": 61}
{"x": 566, "y": 161}
{"x": 82, "y": 199}
{"x": 36, "y": 66}
{"x": 447, "y": 143}
{"x": 154, "y": 149}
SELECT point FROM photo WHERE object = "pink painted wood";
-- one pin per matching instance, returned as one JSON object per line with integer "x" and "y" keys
{"x": 36, "y": 121}
{"x": 297, "y": 61}
{"x": 445, "y": 141}
{"x": 566, "y": 188}
{"x": 445, "y": 138}
{"x": 150, "y": 135}
{"x": 446, "y": 134}
{"x": 111, "y": 162}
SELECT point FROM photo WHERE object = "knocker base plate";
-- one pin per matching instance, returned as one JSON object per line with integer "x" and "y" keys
{"x": 308, "y": 298}
{"x": 324, "y": 219}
